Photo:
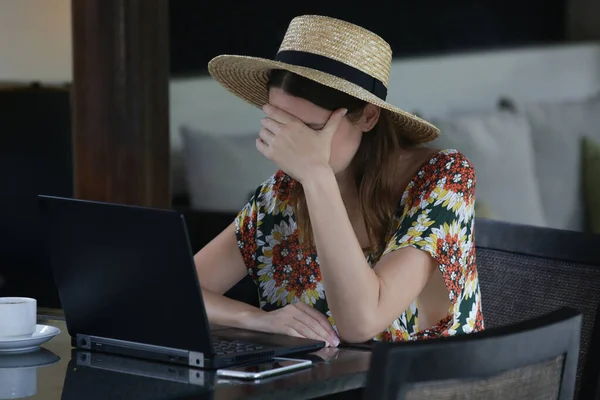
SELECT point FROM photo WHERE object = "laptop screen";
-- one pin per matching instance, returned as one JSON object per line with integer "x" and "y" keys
{"x": 125, "y": 272}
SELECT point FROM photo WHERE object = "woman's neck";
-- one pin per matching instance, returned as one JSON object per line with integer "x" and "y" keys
{"x": 347, "y": 185}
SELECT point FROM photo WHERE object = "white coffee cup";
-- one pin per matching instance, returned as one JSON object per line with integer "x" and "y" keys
{"x": 18, "y": 316}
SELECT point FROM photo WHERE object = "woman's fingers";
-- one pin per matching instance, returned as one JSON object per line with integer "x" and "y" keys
{"x": 301, "y": 329}
{"x": 321, "y": 319}
{"x": 291, "y": 330}
{"x": 266, "y": 136}
{"x": 318, "y": 323}
{"x": 271, "y": 125}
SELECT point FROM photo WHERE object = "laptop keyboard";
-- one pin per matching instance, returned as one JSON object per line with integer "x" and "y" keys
{"x": 222, "y": 346}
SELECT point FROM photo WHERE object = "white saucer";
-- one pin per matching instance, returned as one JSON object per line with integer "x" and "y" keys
{"x": 43, "y": 333}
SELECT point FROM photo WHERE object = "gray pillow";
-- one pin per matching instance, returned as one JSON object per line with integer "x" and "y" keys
{"x": 222, "y": 169}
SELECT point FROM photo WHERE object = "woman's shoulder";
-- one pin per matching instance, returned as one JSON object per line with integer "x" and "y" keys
{"x": 447, "y": 176}
{"x": 274, "y": 193}
{"x": 448, "y": 168}
{"x": 442, "y": 162}
{"x": 267, "y": 205}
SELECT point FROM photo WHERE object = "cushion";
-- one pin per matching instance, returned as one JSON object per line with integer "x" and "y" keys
{"x": 557, "y": 129}
{"x": 590, "y": 152}
{"x": 222, "y": 169}
{"x": 498, "y": 144}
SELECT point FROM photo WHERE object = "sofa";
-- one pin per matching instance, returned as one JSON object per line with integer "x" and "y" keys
{"x": 536, "y": 163}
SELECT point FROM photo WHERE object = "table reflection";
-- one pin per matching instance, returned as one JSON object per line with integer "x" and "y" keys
{"x": 18, "y": 372}
{"x": 92, "y": 375}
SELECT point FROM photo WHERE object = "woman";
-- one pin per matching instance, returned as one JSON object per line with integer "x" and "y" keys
{"x": 364, "y": 233}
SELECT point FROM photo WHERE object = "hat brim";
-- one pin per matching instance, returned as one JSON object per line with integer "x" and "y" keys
{"x": 247, "y": 77}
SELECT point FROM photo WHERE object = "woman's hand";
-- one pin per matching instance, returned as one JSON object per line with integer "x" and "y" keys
{"x": 298, "y": 319}
{"x": 293, "y": 146}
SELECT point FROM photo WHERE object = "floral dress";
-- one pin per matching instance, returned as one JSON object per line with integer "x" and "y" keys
{"x": 435, "y": 214}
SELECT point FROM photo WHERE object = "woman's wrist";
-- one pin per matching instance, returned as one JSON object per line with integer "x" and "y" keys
{"x": 250, "y": 319}
{"x": 317, "y": 176}
{"x": 222, "y": 310}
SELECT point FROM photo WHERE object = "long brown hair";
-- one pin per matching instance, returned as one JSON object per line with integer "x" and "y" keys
{"x": 375, "y": 163}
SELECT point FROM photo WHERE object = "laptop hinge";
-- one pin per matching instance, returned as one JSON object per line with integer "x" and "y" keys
{"x": 195, "y": 358}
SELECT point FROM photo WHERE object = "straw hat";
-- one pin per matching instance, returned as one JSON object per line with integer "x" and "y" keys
{"x": 332, "y": 52}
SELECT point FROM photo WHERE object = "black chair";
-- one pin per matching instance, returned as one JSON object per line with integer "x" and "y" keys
{"x": 534, "y": 359}
{"x": 527, "y": 271}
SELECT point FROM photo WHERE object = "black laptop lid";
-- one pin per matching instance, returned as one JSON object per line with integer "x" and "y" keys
{"x": 125, "y": 272}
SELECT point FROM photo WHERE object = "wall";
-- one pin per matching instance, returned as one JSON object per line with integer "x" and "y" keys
{"x": 35, "y": 40}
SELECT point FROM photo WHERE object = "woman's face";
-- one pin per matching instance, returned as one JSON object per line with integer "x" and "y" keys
{"x": 345, "y": 140}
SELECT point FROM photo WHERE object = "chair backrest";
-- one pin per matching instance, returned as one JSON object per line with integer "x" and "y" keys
{"x": 527, "y": 271}
{"x": 534, "y": 359}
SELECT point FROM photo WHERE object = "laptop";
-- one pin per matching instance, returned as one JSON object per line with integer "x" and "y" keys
{"x": 127, "y": 283}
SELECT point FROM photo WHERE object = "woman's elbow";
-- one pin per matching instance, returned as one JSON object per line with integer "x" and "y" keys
{"x": 358, "y": 333}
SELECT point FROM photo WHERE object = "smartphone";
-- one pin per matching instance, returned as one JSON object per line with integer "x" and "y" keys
{"x": 263, "y": 369}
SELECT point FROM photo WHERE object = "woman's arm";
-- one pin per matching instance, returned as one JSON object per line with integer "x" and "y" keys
{"x": 220, "y": 266}
{"x": 363, "y": 301}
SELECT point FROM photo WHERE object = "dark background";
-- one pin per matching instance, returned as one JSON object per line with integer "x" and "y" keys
{"x": 200, "y": 31}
